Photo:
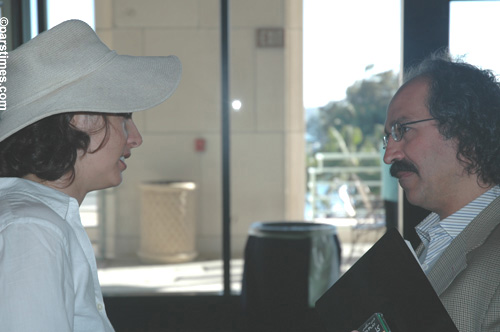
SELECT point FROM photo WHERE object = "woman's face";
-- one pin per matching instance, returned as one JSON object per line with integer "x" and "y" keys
{"x": 102, "y": 165}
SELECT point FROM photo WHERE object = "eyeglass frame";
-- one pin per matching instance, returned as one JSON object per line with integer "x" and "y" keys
{"x": 385, "y": 138}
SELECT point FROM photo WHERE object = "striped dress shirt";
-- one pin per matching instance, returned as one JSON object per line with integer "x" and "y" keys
{"x": 437, "y": 234}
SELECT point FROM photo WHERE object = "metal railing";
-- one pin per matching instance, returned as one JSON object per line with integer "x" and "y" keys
{"x": 344, "y": 185}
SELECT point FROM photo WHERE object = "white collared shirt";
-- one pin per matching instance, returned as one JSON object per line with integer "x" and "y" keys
{"x": 48, "y": 271}
{"x": 436, "y": 234}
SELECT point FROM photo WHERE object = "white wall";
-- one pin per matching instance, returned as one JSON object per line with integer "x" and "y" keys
{"x": 267, "y": 149}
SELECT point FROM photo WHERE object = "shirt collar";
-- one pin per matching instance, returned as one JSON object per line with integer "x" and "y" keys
{"x": 456, "y": 223}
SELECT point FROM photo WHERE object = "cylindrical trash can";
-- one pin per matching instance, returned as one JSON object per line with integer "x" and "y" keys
{"x": 288, "y": 266}
{"x": 167, "y": 222}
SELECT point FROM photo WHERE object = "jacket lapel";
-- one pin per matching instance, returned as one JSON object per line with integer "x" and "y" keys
{"x": 454, "y": 258}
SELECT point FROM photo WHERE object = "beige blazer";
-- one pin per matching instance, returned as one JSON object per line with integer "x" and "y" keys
{"x": 467, "y": 275}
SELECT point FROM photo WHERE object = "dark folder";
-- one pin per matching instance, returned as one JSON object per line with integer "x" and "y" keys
{"x": 387, "y": 279}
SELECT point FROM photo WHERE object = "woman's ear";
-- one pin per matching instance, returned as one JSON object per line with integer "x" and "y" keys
{"x": 78, "y": 121}
{"x": 89, "y": 123}
{"x": 94, "y": 125}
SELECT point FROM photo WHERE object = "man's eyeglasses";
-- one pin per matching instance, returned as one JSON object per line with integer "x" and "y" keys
{"x": 398, "y": 130}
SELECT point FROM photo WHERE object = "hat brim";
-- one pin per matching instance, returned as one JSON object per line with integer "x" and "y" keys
{"x": 124, "y": 84}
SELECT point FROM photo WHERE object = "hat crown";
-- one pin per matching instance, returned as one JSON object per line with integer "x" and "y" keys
{"x": 68, "y": 69}
{"x": 53, "y": 59}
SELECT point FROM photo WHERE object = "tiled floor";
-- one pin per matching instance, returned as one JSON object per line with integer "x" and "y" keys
{"x": 134, "y": 277}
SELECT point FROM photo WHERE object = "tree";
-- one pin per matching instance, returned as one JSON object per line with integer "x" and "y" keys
{"x": 363, "y": 109}
{"x": 355, "y": 124}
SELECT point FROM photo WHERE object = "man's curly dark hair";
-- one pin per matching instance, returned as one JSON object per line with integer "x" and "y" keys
{"x": 48, "y": 148}
{"x": 465, "y": 100}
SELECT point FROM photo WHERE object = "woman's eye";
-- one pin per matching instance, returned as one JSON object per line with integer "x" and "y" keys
{"x": 125, "y": 115}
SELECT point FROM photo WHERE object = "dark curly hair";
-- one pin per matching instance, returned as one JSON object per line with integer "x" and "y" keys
{"x": 48, "y": 148}
{"x": 465, "y": 100}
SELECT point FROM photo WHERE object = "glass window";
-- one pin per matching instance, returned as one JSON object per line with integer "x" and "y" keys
{"x": 147, "y": 252}
{"x": 473, "y": 32}
{"x": 352, "y": 57}
{"x": 61, "y": 10}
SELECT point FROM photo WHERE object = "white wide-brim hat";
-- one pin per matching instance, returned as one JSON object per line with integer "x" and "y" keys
{"x": 69, "y": 69}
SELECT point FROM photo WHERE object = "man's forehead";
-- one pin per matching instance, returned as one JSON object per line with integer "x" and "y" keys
{"x": 401, "y": 119}
{"x": 409, "y": 103}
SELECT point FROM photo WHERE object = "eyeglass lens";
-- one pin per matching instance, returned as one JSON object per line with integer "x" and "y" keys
{"x": 396, "y": 133}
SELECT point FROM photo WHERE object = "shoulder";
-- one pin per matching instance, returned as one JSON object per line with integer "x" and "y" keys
{"x": 24, "y": 205}
{"x": 483, "y": 233}
{"x": 487, "y": 250}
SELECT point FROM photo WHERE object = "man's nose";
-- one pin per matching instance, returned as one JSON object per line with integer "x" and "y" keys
{"x": 392, "y": 151}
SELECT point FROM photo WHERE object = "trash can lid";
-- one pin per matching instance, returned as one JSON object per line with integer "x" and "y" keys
{"x": 289, "y": 229}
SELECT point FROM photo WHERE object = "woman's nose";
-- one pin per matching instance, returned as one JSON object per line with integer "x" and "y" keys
{"x": 134, "y": 136}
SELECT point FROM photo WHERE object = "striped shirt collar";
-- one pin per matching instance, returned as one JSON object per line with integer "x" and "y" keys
{"x": 456, "y": 223}
{"x": 437, "y": 235}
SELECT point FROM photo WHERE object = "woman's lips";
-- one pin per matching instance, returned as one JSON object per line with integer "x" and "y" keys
{"x": 122, "y": 161}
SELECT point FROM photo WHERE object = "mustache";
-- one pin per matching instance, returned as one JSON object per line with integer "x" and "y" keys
{"x": 402, "y": 166}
